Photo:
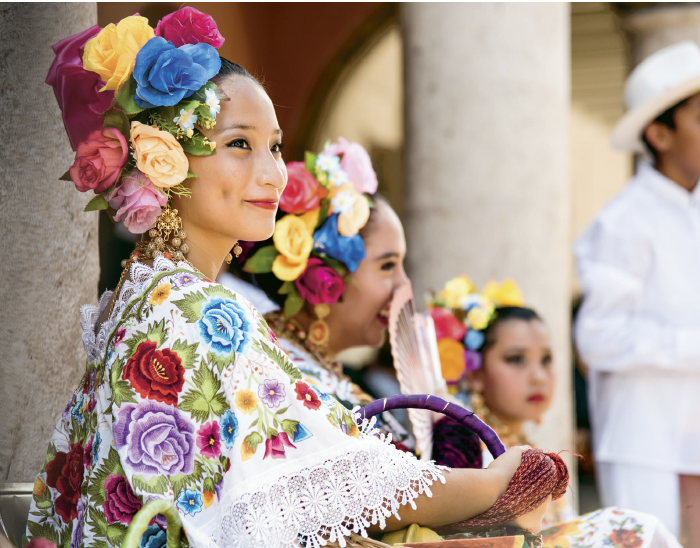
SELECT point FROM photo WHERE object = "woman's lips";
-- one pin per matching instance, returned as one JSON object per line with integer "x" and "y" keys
{"x": 263, "y": 204}
{"x": 383, "y": 318}
{"x": 536, "y": 398}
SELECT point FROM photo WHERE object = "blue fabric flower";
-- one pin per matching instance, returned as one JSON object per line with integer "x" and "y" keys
{"x": 189, "y": 501}
{"x": 96, "y": 448}
{"x": 224, "y": 326}
{"x": 165, "y": 74}
{"x": 329, "y": 401}
{"x": 154, "y": 537}
{"x": 78, "y": 409}
{"x": 474, "y": 339}
{"x": 229, "y": 428}
{"x": 301, "y": 433}
{"x": 348, "y": 250}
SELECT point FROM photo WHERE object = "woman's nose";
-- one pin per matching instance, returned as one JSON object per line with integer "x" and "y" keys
{"x": 400, "y": 277}
{"x": 271, "y": 172}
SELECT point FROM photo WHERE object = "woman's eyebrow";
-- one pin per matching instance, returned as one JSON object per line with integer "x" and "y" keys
{"x": 387, "y": 255}
{"x": 247, "y": 128}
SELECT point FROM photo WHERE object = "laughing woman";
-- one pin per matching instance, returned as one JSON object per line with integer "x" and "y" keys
{"x": 187, "y": 396}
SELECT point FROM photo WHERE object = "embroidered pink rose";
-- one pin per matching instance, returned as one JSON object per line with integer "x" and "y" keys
{"x": 189, "y": 26}
{"x": 319, "y": 283}
{"x": 356, "y": 164}
{"x": 275, "y": 446}
{"x": 99, "y": 160}
{"x": 137, "y": 202}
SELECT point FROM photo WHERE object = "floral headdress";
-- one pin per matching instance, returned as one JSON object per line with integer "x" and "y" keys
{"x": 316, "y": 244}
{"x": 133, "y": 99}
{"x": 461, "y": 315}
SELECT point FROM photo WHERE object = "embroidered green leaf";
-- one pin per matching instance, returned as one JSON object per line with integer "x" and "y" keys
{"x": 125, "y": 98}
{"x": 65, "y": 536}
{"x": 310, "y": 162}
{"x": 180, "y": 483}
{"x": 157, "y": 484}
{"x": 287, "y": 287}
{"x": 221, "y": 363}
{"x": 282, "y": 411}
{"x": 158, "y": 333}
{"x": 191, "y": 306}
{"x": 293, "y": 303}
{"x": 290, "y": 427}
{"x": 44, "y": 530}
{"x": 187, "y": 353}
{"x": 122, "y": 393}
{"x": 219, "y": 291}
{"x": 111, "y": 465}
{"x": 253, "y": 439}
{"x": 116, "y": 533}
{"x": 206, "y": 400}
{"x": 50, "y": 455}
{"x": 97, "y": 203}
{"x": 134, "y": 342}
{"x": 100, "y": 544}
{"x": 116, "y": 372}
{"x": 261, "y": 262}
{"x": 282, "y": 361}
{"x": 208, "y": 485}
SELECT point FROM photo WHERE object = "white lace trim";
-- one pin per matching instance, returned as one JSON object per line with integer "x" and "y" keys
{"x": 141, "y": 275}
{"x": 327, "y": 502}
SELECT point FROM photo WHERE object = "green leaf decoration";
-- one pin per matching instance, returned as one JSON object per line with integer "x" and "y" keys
{"x": 286, "y": 288}
{"x": 157, "y": 484}
{"x": 66, "y": 536}
{"x": 157, "y": 333}
{"x": 290, "y": 427}
{"x": 208, "y": 485}
{"x": 97, "y": 521}
{"x": 98, "y": 203}
{"x": 122, "y": 393}
{"x": 50, "y": 454}
{"x": 219, "y": 291}
{"x": 134, "y": 342}
{"x": 206, "y": 400}
{"x": 191, "y": 306}
{"x": 254, "y": 439}
{"x": 323, "y": 213}
{"x": 282, "y": 361}
{"x": 293, "y": 303}
{"x": 196, "y": 147}
{"x": 117, "y": 119}
{"x": 220, "y": 363}
{"x": 190, "y": 176}
{"x": 96, "y": 486}
{"x": 187, "y": 353}
{"x": 261, "y": 262}
{"x": 116, "y": 533}
{"x": 125, "y": 98}
{"x": 310, "y": 162}
{"x": 335, "y": 265}
{"x": 116, "y": 372}
{"x": 43, "y": 530}
{"x": 66, "y": 176}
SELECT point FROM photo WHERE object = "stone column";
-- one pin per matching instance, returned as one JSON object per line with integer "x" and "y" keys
{"x": 661, "y": 25}
{"x": 50, "y": 262}
{"x": 488, "y": 186}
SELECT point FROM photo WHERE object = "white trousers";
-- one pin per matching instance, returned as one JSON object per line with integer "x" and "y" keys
{"x": 649, "y": 490}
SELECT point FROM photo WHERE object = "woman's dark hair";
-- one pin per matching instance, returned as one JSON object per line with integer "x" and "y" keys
{"x": 228, "y": 68}
{"x": 503, "y": 314}
{"x": 665, "y": 118}
{"x": 375, "y": 198}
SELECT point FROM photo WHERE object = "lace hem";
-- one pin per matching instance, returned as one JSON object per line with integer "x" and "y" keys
{"x": 327, "y": 502}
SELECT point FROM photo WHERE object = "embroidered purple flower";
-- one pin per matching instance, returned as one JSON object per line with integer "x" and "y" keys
{"x": 185, "y": 279}
{"x": 189, "y": 502}
{"x": 154, "y": 537}
{"x": 271, "y": 392}
{"x": 157, "y": 438}
{"x": 87, "y": 455}
{"x": 77, "y": 537}
{"x": 118, "y": 336}
{"x": 208, "y": 440}
{"x": 120, "y": 501}
{"x": 229, "y": 428}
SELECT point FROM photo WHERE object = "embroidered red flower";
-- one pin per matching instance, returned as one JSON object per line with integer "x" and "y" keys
{"x": 155, "y": 374}
{"x": 208, "y": 440}
{"x": 307, "y": 395}
{"x": 274, "y": 446}
{"x": 626, "y": 538}
{"x": 65, "y": 474}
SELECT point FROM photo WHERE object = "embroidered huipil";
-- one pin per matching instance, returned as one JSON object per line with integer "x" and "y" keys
{"x": 188, "y": 397}
{"x": 638, "y": 329}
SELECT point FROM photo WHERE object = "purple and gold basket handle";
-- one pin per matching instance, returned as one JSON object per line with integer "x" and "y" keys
{"x": 438, "y": 405}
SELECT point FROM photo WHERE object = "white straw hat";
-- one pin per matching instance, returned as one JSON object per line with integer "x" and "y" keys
{"x": 662, "y": 80}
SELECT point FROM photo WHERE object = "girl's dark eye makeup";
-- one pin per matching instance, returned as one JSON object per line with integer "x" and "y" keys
{"x": 389, "y": 266}
{"x": 278, "y": 148}
{"x": 517, "y": 359}
{"x": 547, "y": 360}
{"x": 239, "y": 143}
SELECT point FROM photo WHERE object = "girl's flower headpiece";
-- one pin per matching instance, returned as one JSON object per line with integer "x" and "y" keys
{"x": 461, "y": 315}
{"x": 133, "y": 100}
{"x": 316, "y": 244}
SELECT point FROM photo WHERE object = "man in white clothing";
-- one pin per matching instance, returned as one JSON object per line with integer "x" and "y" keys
{"x": 638, "y": 330}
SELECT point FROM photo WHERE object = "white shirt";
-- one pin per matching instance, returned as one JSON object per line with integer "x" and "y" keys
{"x": 638, "y": 329}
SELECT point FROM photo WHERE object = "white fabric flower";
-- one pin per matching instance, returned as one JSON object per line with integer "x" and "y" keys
{"x": 186, "y": 120}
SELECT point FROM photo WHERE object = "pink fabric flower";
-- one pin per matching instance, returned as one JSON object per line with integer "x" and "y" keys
{"x": 76, "y": 89}
{"x": 356, "y": 163}
{"x": 446, "y": 325}
{"x": 274, "y": 446}
{"x": 137, "y": 202}
{"x": 99, "y": 160}
{"x": 189, "y": 26}
{"x": 208, "y": 440}
{"x": 319, "y": 283}
{"x": 302, "y": 193}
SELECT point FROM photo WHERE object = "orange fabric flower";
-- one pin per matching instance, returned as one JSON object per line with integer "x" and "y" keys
{"x": 247, "y": 450}
{"x": 246, "y": 401}
{"x": 451, "y": 359}
{"x": 160, "y": 294}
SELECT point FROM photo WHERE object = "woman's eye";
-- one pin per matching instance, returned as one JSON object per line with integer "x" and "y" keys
{"x": 277, "y": 149}
{"x": 547, "y": 361}
{"x": 239, "y": 143}
{"x": 389, "y": 266}
{"x": 515, "y": 360}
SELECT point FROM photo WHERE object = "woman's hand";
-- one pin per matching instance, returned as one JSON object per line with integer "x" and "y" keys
{"x": 532, "y": 521}
{"x": 508, "y": 463}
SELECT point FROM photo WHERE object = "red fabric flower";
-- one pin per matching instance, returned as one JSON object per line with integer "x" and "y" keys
{"x": 189, "y": 26}
{"x": 446, "y": 325}
{"x": 208, "y": 440}
{"x": 307, "y": 395}
{"x": 121, "y": 504}
{"x": 99, "y": 160}
{"x": 274, "y": 446}
{"x": 319, "y": 283}
{"x": 626, "y": 538}
{"x": 302, "y": 193}
{"x": 65, "y": 474}
{"x": 155, "y": 374}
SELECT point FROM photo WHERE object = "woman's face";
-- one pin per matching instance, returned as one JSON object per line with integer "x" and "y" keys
{"x": 236, "y": 190}
{"x": 517, "y": 378}
{"x": 361, "y": 317}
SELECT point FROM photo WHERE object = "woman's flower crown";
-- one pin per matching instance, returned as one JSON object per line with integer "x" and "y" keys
{"x": 316, "y": 244}
{"x": 133, "y": 99}
{"x": 461, "y": 315}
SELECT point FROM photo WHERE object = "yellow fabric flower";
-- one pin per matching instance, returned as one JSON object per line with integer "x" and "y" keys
{"x": 159, "y": 294}
{"x": 505, "y": 294}
{"x": 557, "y": 536}
{"x": 294, "y": 239}
{"x": 112, "y": 53}
{"x": 350, "y": 223}
{"x": 456, "y": 289}
{"x": 39, "y": 487}
{"x": 246, "y": 401}
{"x": 451, "y": 359}
{"x": 247, "y": 450}
{"x": 208, "y": 497}
{"x": 478, "y": 317}
{"x": 158, "y": 155}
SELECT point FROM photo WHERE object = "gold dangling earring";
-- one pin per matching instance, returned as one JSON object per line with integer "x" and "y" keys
{"x": 237, "y": 250}
{"x": 168, "y": 224}
{"x": 319, "y": 332}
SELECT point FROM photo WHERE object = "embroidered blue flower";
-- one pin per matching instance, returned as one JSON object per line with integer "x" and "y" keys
{"x": 165, "y": 74}
{"x": 189, "y": 501}
{"x": 328, "y": 400}
{"x": 154, "y": 537}
{"x": 348, "y": 250}
{"x": 96, "y": 448}
{"x": 474, "y": 339}
{"x": 229, "y": 428}
{"x": 301, "y": 433}
{"x": 224, "y": 326}
{"x": 78, "y": 409}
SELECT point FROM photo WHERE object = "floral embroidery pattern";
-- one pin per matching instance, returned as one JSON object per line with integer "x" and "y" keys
{"x": 155, "y": 374}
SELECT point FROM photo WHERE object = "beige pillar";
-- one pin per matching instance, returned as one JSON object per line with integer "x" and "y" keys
{"x": 50, "y": 262}
{"x": 659, "y": 26}
{"x": 487, "y": 109}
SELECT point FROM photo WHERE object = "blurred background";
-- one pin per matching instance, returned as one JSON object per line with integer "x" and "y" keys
{"x": 488, "y": 126}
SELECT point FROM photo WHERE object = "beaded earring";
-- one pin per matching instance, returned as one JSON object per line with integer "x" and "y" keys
{"x": 319, "y": 332}
{"x": 237, "y": 250}
{"x": 168, "y": 224}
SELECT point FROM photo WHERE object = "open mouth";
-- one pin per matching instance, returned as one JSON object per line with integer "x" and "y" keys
{"x": 383, "y": 317}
